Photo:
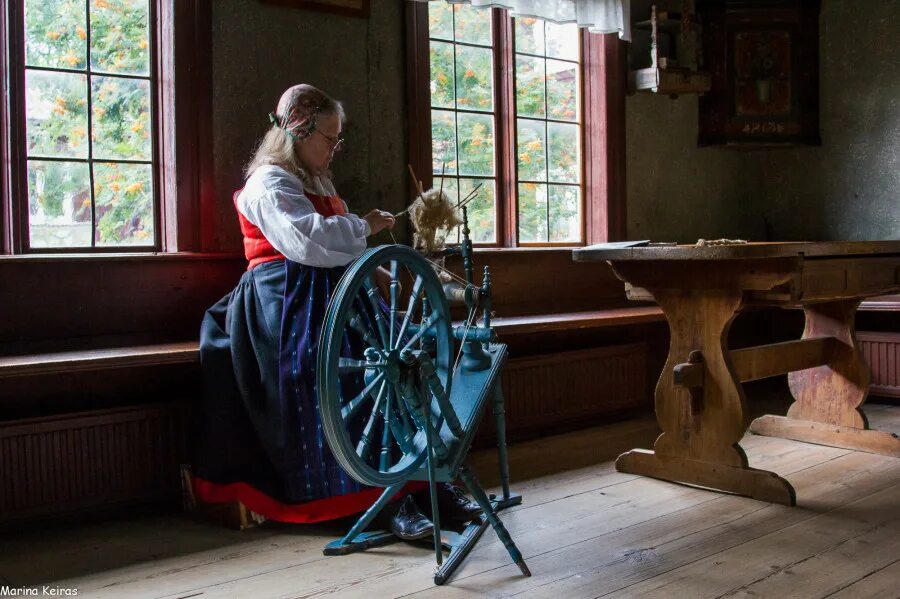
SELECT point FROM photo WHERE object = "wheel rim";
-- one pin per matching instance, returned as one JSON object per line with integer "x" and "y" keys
{"x": 369, "y": 428}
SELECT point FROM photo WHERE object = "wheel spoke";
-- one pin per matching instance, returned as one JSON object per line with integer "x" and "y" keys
{"x": 386, "y": 433}
{"x": 407, "y": 424}
{"x": 356, "y": 323}
{"x": 401, "y": 428}
{"x": 429, "y": 322}
{"x": 349, "y": 410}
{"x": 347, "y": 365}
{"x": 413, "y": 299}
{"x": 395, "y": 288}
{"x": 365, "y": 441}
{"x": 372, "y": 291}
{"x": 426, "y": 309}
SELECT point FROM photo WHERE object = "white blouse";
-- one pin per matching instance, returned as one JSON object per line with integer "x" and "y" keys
{"x": 273, "y": 200}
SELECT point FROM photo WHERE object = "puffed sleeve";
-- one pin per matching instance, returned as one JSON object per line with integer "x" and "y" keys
{"x": 291, "y": 224}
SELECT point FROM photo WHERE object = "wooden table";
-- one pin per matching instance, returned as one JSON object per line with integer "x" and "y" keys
{"x": 700, "y": 404}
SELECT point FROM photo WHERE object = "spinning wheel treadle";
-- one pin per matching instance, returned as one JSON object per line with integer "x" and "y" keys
{"x": 393, "y": 409}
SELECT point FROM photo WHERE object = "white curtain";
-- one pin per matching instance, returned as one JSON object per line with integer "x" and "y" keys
{"x": 598, "y": 16}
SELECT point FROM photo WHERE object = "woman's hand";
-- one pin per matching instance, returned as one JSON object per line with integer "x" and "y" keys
{"x": 379, "y": 220}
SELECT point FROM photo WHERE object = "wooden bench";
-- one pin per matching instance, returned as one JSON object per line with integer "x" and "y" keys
{"x": 187, "y": 352}
{"x": 99, "y": 359}
{"x": 592, "y": 319}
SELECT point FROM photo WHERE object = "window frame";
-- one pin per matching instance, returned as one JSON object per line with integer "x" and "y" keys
{"x": 603, "y": 88}
{"x": 182, "y": 156}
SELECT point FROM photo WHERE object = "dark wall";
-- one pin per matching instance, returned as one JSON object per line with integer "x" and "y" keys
{"x": 676, "y": 190}
{"x": 849, "y": 188}
{"x": 259, "y": 50}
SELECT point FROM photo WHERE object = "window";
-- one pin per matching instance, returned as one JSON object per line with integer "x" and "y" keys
{"x": 522, "y": 108}
{"x": 463, "y": 113}
{"x": 548, "y": 132}
{"x": 88, "y": 125}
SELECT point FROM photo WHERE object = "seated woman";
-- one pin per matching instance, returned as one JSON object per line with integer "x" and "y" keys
{"x": 258, "y": 437}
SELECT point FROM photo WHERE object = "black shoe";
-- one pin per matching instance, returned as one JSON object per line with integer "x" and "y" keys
{"x": 409, "y": 523}
{"x": 453, "y": 505}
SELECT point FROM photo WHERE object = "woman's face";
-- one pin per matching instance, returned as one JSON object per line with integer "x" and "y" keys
{"x": 317, "y": 150}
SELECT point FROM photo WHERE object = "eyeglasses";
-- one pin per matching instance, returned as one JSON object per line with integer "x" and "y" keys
{"x": 337, "y": 143}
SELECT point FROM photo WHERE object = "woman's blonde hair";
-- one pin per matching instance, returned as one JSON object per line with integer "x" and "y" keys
{"x": 296, "y": 118}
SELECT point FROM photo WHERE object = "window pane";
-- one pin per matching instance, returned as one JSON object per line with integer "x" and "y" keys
{"x": 562, "y": 41}
{"x": 565, "y": 213}
{"x": 563, "y": 151}
{"x": 442, "y": 94}
{"x": 562, "y": 90}
{"x": 531, "y": 149}
{"x": 55, "y": 34}
{"x": 481, "y": 211}
{"x": 120, "y": 36}
{"x": 56, "y": 114}
{"x": 449, "y": 186}
{"x": 473, "y": 25}
{"x": 443, "y": 141}
{"x": 474, "y": 78}
{"x": 532, "y": 212}
{"x": 124, "y": 197}
{"x": 529, "y": 86}
{"x": 121, "y": 120}
{"x": 476, "y": 144}
{"x": 529, "y": 35}
{"x": 59, "y": 204}
{"x": 440, "y": 20}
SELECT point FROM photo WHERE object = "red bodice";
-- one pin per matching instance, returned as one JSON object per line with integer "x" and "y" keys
{"x": 257, "y": 248}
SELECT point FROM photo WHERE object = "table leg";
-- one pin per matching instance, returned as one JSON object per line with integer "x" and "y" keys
{"x": 827, "y": 398}
{"x": 702, "y": 427}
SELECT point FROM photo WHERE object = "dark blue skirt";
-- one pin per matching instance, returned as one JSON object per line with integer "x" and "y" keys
{"x": 258, "y": 419}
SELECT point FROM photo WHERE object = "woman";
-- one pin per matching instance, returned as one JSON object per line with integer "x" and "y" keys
{"x": 259, "y": 439}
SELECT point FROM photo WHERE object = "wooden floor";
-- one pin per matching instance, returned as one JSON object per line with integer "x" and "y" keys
{"x": 585, "y": 530}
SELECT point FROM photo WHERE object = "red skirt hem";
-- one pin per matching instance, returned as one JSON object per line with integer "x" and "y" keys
{"x": 318, "y": 510}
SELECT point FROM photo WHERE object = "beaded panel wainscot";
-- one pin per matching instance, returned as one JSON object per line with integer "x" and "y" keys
{"x": 570, "y": 390}
{"x": 76, "y": 462}
{"x": 881, "y": 351}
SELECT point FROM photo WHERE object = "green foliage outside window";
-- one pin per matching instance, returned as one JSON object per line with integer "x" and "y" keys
{"x": 547, "y": 151}
{"x": 114, "y": 36}
{"x": 546, "y": 90}
{"x": 462, "y": 80}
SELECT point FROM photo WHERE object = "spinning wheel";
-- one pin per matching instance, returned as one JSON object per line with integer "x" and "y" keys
{"x": 371, "y": 430}
{"x": 396, "y": 405}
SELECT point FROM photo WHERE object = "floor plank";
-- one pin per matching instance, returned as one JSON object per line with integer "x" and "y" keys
{"x": 825, "y": 573}
{"x": 883, "y": 417}
{"x": 881, "y": 584}
{"x": 726, "y": 572}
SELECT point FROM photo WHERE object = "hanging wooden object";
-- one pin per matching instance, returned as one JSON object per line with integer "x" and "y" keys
{"x": 675, "y": 59}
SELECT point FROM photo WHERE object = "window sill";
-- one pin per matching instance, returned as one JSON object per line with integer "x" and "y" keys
{"x": 525, "y": 250}
{"x": 112, "y": 257}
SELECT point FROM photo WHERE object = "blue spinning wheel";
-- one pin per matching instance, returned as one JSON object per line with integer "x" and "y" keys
{"x": 369, "y": 427}
{"x": 396, "y": 404}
